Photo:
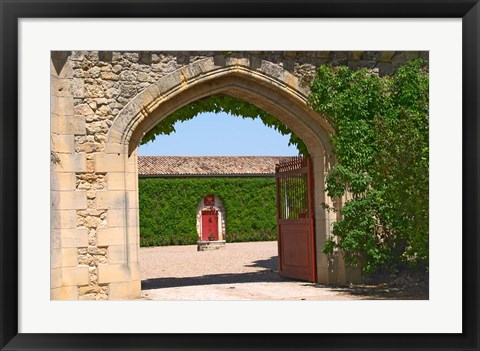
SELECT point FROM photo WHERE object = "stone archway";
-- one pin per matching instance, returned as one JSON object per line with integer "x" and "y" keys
{"x": 104, "y": 102}
{"x": 269, "y": 87}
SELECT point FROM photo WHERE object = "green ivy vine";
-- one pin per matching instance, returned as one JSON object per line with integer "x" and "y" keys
{"x": 223, "y": 103}
{"x": 382, "y": 152}
{"x": 168, "y": 208}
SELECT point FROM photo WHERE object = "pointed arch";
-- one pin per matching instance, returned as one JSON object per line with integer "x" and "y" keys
{"x": 266, "y": 85}
{"x": 270, "y": 87}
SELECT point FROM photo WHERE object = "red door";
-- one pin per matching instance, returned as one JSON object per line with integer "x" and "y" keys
{"x": 295, "y": 220}
{"x": 209, "y": 225}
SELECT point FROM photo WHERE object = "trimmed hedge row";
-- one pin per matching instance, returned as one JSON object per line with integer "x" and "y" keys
{"x": 168, "y": 209}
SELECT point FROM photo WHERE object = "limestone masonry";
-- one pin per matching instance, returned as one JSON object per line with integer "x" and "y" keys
{"x": 102, "y": 103}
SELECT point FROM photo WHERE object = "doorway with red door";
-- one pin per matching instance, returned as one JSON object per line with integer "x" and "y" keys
{"x": 211, "y": 222}
{"x": 210, "y": 225}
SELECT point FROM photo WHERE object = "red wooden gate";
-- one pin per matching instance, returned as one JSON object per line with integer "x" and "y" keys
{"x": 295, "y": 219}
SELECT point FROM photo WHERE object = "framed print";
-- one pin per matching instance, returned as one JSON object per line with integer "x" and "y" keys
{"x": 77, "y": 274}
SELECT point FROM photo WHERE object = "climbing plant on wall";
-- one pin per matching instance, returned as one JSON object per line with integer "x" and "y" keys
{"x": 168, "y": 208}
{"x": 381, "y": 146}
{"x": 223, "y": 103}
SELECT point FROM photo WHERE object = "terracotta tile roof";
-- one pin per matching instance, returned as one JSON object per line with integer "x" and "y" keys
{"x": 208, "y": 165}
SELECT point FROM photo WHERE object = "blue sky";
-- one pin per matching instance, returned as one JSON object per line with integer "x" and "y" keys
{"x": 222, "y": 134}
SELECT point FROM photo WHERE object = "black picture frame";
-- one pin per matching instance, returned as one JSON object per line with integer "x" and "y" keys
{"x": 12, "y": 11}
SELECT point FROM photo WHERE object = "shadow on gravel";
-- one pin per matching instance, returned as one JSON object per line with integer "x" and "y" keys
{"x": 406, "y": 284}
{"x": 385, "y": 293}
{"x": 271, "y": 263}
{"x": 267, "y": 275}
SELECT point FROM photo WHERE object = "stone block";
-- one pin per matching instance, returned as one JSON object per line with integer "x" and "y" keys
{"x": 125, "y": 290}
{"x": 237, "y": 61}
{"x": 410, "y": 55}
{"x": 62, "y": 143}
{"x": 64, "y": 293}
{"x": 219, "y": 60}
{"x": 75, "y": 275}
{"x": 353, "y": 275}
{"x": 121, "y": 217}
{"x": 61, "y": 105}
{"x": 62, "y": 181}
{"x": 133, "y": 252}
{"x": 109, "y": 163}
{"x": 71, "y": 163}
{"x": 133, "y": 236}
{"x": 69, "y": 238}
{"x": 55, "y": 239}
{"x": 77, "y": 55}
{"x": 70, "y": 125}
{"x": 116, "y": 218}
{"x": 108, "y": 273}
{"x": 60, "y": 66}
{"x": 60, "y": 86}
{"x": 322, "y": 258}
{"x": 55, "y": 258}
{"x": 385, "y": 68}
{"x": 117, "y": 254}
{"x": 70, "y": 257}
{"x": 63, "y": 219}
{"x": 68, "y": 200}
{"x": 337, "y": 275}
{"x": 386, "y": 56}
{"x": 55, "y": 278}
{"x": 111, "y": 236}
{"x": 150, "y": 94}
{"x": 323, "y": 54}
{"x": 355, "y": 55}
{"x": 84, "y": 110}
{"x": 169, "y": 82}
{"x": 111, "y": 199}
{"x": 116, "y": 181}
{"x": 192, "y": 71}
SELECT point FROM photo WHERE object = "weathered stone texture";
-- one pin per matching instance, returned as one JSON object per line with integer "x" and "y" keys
{"x": 103, "y": 83}
{"x": 88, "y": 90}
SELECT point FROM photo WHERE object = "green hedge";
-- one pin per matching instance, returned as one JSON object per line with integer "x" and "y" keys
{"x": 168, "y": 209}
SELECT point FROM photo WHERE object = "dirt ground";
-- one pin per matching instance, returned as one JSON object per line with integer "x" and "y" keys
{"x": 240, "y": 271}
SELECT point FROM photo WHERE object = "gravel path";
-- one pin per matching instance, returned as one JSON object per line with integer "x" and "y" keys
{"x": 240, "y": 271}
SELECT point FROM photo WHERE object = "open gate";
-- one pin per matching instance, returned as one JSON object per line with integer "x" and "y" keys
{"x": 295, "y": 219}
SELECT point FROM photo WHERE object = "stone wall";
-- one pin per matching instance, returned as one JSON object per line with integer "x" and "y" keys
{"x": 88, "y": 90}
{"x": 104, "y": 82}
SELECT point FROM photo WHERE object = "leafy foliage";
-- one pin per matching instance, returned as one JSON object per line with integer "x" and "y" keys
{"x": 168, "y": 209}
{"x": 223, "y": 103}
{"x": 381, "y": 146}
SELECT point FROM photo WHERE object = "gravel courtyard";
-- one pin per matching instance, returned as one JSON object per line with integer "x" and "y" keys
{"x": 240, "y": 271}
